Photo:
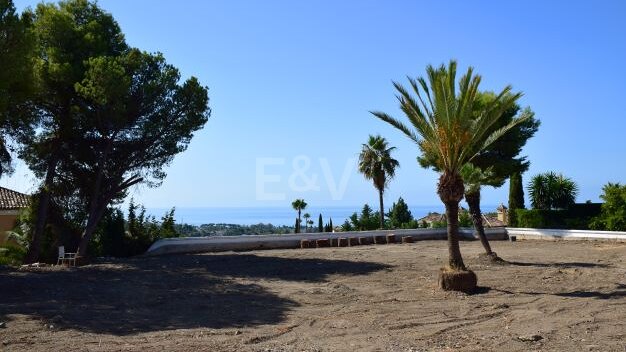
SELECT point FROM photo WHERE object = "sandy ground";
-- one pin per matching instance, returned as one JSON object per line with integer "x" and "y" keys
{"x": 570, "y": 296}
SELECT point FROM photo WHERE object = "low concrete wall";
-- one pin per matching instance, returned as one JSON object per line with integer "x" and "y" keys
{"x": 552, "y": 234}
{"x": 247, "y": 242}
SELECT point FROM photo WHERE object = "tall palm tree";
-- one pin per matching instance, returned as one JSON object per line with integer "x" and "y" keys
{"x": 306, "y": 217}
{"x": 449, "y": 127}
{"x": 376, "y": 164}
{"x": 299, "y": 205}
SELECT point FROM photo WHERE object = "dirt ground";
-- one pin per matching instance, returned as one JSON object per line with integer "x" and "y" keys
{"x": 566, "y": 295}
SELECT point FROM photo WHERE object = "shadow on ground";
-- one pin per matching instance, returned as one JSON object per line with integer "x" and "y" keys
{"x": 618, "y": 292}
{"x": 164, "y": 293}
{"x": 559, "y": 265}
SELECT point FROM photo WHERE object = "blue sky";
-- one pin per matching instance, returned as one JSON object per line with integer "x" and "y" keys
{"x": 297, "y": 78}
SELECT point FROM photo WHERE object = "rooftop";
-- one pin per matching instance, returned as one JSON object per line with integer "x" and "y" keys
{"x": 10, "y": 199}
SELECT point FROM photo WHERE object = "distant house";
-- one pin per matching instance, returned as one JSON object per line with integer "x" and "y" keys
{"x": 11, "y": 202}
{"x": 488, "y": 221}
{"x": 431, "y": 218}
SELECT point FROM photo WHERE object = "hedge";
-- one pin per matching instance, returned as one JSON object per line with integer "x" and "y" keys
{"x": 576, "y": 217}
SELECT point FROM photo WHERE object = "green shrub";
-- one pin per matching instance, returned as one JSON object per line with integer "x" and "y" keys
{"x": 11, "y": 255}
{"x": 576, "y": 217}
{"x": 612, "y": 215}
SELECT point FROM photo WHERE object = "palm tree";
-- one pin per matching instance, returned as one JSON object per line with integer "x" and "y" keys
{"x": 376, "y": 164}
{"x": 298, "y": 205}
{"x": 449, "y": 127}
{"x": 306, "y": 217}
{"x": 552, "y": 191}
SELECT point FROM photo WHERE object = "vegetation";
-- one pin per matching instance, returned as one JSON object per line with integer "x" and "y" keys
{"x": 298, "y": 205}
{"x": 320, "y": 224}
{"x": 376, "y": 164}
{"x": 575, "y": 217}
{"x": 441, "y": 123}
{"x": 400, "y": 216}
{"x": 493, "y": 165}
{"x": 450, "y": 128}
{"x": 613, "y": 214}
{"x": 552, "y": 191}
{"x": 110, "y": 116}
{"x": 366, "y": 221}
{"x": 307, "y": 221}
{"x": 16, "y": 80}
{"x": 231, "y": 230}
{"x": 516, "y": 197}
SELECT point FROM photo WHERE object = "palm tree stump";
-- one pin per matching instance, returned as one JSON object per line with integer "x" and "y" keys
{"x": 353, "y": 241}
{"x": 322, "y": 243}
{"x": 342, "y": 242}
{"x": 457, "y": 280}
{"x": 380, "y": 239}
{"x": 391, "y": 238}
{"x": 305, "y": 244}
{"x": 407, "y": 239}
{"x": 364, "y": 241}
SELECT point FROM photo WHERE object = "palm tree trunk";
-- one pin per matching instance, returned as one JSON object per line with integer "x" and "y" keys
{"x": 382, "y": 209}
{"x": 473, "y": 200}
{"x": 450, "y": 190}
{"x": 454, "y": 251}
{"x": 299, "y": 222}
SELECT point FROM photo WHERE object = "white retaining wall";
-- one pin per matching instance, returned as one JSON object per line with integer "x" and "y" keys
{"x": 248, "y": 242}
{"x": 551, "y": 234}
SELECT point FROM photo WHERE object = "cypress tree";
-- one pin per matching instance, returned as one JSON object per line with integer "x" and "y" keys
{"x": 331, "y": 225}
{"x": 320, "y": 224}
{"x": 516, "y": 197}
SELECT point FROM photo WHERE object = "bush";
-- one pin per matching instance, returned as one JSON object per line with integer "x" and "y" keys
{"x": 11, "y": 255}
{"x": 612, "y": 215}
{"x": 576, "y": 217}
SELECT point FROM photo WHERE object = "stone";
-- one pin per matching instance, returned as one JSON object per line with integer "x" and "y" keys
{"x": 3, "y": 324}
{"x": 364, "y": 241}
{"x": 391, "y": 238}
{"x": 322, "y": 243}
{"x": 380, "y": 239}
{"x": 530, "y": 338}
{"x": 305, "y": 243}
{"x": 342, "y": 242}
{"x": 407, "y": 239}
{"x": 353, "y": 241}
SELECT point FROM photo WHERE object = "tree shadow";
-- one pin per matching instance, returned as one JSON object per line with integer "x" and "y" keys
{"x": 164, "y": 293}
{"x": 619, "y": 292}
{"x": 559, "y": 265}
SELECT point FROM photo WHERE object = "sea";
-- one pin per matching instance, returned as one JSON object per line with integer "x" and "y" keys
{"x": 275, "y": 215}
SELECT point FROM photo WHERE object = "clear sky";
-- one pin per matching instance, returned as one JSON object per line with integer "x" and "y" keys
{"x": 297, "y": 78}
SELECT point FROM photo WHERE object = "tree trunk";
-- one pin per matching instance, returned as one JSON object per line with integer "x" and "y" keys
{"x": 299, "y": 228}
{"x": 473, "y": 200}
{"x": 90, "y": 228}
{"x": 97, "y": 208}
{"x": 382, "y": 209}
{"x": 450, "y": 190}
{"x": 34, "y": 249}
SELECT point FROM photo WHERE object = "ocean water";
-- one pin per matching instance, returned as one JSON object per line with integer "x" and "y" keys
{"x": 273, "y": 215}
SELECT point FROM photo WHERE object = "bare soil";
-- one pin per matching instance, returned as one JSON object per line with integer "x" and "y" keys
{"x": 550, "y": 296}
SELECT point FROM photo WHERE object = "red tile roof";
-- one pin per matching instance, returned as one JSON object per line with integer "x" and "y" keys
{"x": 10, "y": 199}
